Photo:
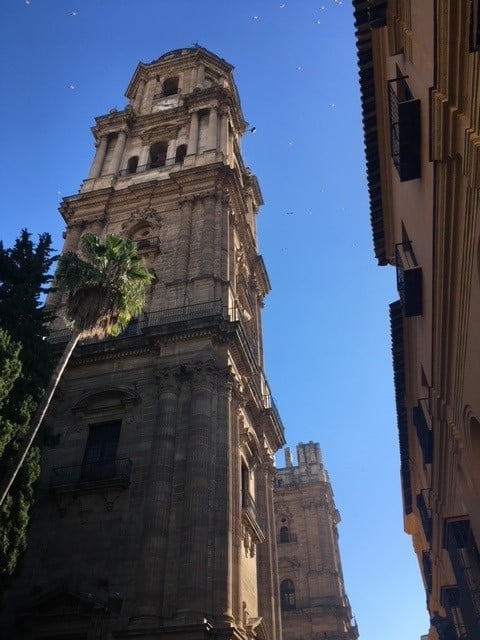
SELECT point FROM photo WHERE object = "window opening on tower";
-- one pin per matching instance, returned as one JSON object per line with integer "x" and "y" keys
{"x": 158, "y": 154}
{"x": 170, "y": 86}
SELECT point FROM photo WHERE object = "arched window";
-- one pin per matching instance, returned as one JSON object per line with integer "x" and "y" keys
{"x": 284, "y": 534}
{"x": 287, "y": 595}
{"x": 180, "y": 153}
{"x": 158, "y": 154}
{"x": 132, "y": 164}
{"x": 170, "y": 86}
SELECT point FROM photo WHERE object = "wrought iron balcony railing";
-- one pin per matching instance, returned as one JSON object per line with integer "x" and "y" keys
{"x": 427, "y": 569}
{"x": 425, "y": 514}
{"x": 409, "y": 279}
{"x": 404, "y": 113}
{"x": 93, "y": 475}
{"x": 421, "y": 419}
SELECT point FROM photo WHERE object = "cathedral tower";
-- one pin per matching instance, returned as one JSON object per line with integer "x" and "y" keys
{"x": 312, "y": 592}
{"x": 155, "y": 511}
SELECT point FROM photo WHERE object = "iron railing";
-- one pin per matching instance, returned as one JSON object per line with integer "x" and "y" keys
{"x": 107, "y": 473}
{"x": 404, "y": 111}
{"x": 409, "y": 279}
{"x": 421, "y": 419}
{"x": 425, "y": 516}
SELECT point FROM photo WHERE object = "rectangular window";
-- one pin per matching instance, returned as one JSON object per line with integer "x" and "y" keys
{"x": 101, "y": 451}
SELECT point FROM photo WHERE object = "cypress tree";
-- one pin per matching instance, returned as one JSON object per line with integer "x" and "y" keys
{"x": 25, "y": 368}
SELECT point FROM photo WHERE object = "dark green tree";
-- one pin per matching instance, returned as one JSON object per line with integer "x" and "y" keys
{"x": 25, "y": 368}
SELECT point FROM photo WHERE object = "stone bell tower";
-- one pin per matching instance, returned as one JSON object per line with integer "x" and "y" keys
{"x": 154, "y": 517}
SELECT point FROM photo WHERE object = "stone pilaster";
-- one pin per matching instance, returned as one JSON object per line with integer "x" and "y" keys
{"x": 223, "y": 516}
{"x": 192, "y": 594}
{"x": 182, "y": 254}
{"x": 208, "y": 235}
{"x": 139, "y": 96}
{"x": 200, "y": 80}
{"x": 153, "y": 545}
{"x": 267, "y": 556}
{"x": 238, "y": 402}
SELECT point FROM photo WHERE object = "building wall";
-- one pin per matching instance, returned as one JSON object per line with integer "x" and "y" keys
{"x": 312, "y": 592}
{"x": 435, "y": 349}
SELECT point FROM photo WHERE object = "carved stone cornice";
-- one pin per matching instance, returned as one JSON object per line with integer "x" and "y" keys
{"x": 109, "y": 355}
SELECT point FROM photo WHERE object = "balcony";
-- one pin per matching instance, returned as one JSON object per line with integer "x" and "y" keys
{"x": 251, "y": 516}
{"x": 421, "y": 419}
{"x": 427, "y": 570}
{"x": 425, "y": 516}
{"x": 409, "y": 280}
{"x": 97, "y": 475}
{"x": 404, "y": 113}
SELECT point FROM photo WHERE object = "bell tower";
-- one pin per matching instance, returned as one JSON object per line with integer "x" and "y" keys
{"x": 154, "y": 517}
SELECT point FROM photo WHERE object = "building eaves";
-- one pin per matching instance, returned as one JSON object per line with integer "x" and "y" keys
{"x": 363, "y": 33}
{"x": 398, "y": 356}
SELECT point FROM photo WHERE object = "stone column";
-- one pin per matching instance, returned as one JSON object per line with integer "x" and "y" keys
{"x": 138, "y": 96}
{"x": 212, "y": 128}
{"x": 72, "y": 238}
{"x": 193, "y": 134}
{"x": 196, "y": 532}
{"x": 118, "y": 151}
{"x": 151, "y": 559}
{"x": 99, "y": 158}
{"x": 171, "y": 150}
{"x": 224, "y": 133}
{"x": 144, "y": 157}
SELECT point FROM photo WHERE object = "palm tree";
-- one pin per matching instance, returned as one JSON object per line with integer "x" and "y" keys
{"x": 106, "y": 290}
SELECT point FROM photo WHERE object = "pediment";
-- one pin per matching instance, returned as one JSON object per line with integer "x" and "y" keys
{"x": 108, "y": 399}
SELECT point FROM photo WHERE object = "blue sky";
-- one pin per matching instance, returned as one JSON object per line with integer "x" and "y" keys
{"x": 326, "y": 332}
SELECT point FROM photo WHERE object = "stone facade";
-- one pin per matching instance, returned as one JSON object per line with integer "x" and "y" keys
{"x": 420, "y": 80}
{"x": 154, "y": 516}
{"x": 313, "y": 601}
